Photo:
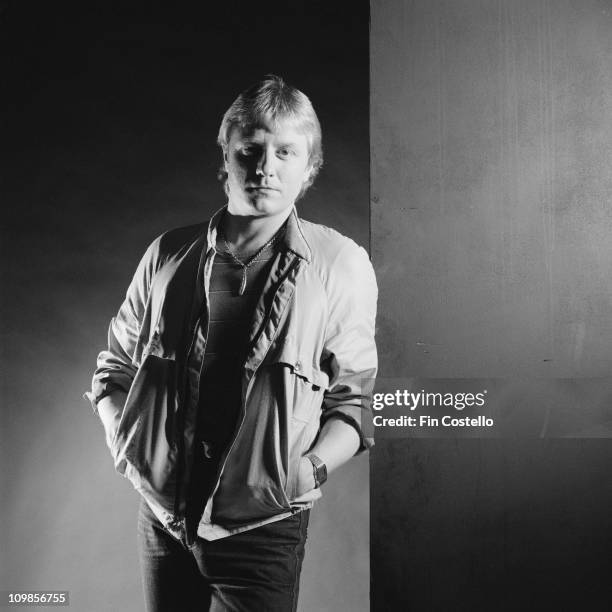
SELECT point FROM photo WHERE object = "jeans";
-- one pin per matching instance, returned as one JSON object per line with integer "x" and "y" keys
{"x": 253, "y": 571}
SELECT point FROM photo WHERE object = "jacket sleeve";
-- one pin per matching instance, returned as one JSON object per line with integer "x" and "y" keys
{"x": 118, "y": 363}
{"x": 350, "y": 350}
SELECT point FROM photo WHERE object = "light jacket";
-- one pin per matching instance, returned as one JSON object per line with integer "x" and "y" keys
{"x": 311, "y": 356}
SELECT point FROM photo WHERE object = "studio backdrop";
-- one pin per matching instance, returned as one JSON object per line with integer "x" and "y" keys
{"x": 109, "y": 138}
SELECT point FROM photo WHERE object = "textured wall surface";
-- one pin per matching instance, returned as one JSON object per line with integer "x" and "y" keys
{"x": 109, "y": 123}
{"x": 491, "y": 186}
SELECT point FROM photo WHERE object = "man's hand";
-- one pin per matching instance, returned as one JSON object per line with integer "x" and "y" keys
{"x": 305, "y": 480}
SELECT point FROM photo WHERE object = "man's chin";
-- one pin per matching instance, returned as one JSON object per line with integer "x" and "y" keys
{"x": 269, "y": 205}
{"x": 260, "y": 205}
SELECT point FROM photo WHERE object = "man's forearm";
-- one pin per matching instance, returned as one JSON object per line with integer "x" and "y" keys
{"x": 110, "y": 408}
{"x": 337, "y": 443}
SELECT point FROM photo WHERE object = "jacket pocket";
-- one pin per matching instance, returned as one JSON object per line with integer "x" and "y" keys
{"x": 144, "y": 447}
{"x": 298, "y": 388}
{"x": 300, "y": 383}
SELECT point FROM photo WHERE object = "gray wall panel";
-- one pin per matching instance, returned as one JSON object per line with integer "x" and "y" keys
{"x": 491, "y": 185}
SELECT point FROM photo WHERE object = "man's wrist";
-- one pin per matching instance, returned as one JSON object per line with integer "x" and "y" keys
{"x": 306, "y": 481}
{"x": 319, "y": 469}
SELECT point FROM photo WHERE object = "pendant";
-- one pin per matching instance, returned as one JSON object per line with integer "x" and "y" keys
{"x": 244, "y": 281}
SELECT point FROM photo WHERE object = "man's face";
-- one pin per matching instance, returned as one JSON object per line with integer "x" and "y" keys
{"x": 266, "y": 166}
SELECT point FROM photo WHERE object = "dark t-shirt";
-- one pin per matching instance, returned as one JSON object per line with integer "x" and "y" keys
{"x": 220, "y": 385}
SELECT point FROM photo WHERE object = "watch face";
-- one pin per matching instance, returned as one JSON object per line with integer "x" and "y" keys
{"x": 322, "y": 473}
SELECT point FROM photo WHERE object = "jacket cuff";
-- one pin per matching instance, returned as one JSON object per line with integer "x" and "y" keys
{"x": 102, "y": 390}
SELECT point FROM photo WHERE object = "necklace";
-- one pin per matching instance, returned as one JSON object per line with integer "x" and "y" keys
{"x": 245, "y": 265}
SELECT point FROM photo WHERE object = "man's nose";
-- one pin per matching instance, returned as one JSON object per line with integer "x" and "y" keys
{"x": 265, "y": 163}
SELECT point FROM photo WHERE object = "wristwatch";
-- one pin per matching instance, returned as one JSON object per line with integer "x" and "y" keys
{"x": 319, "y": 469}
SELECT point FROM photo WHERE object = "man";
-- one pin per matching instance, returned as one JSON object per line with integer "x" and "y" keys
{"x": 237, "y": 371}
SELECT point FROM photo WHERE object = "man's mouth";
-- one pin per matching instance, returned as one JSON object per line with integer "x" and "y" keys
{"x": 261, "y": 188}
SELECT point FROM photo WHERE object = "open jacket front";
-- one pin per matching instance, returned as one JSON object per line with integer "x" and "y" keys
{"x": 311, "y": 356}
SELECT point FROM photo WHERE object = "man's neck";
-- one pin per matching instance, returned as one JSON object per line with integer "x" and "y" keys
{"x": 247, "y": 234}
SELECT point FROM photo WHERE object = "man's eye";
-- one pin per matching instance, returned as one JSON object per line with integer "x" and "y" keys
{"x": 283, "y": 152}
{"x": 248, "y": 150}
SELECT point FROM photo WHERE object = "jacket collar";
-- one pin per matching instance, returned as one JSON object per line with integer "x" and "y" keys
{"x": 293, "y": 238}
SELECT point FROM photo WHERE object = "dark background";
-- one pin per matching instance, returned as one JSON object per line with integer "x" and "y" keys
{"x": 110, "y": 113}
{"x": 491, "y": 183}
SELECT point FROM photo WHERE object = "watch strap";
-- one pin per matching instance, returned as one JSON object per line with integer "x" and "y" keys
{"x": 319, "y": 469}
